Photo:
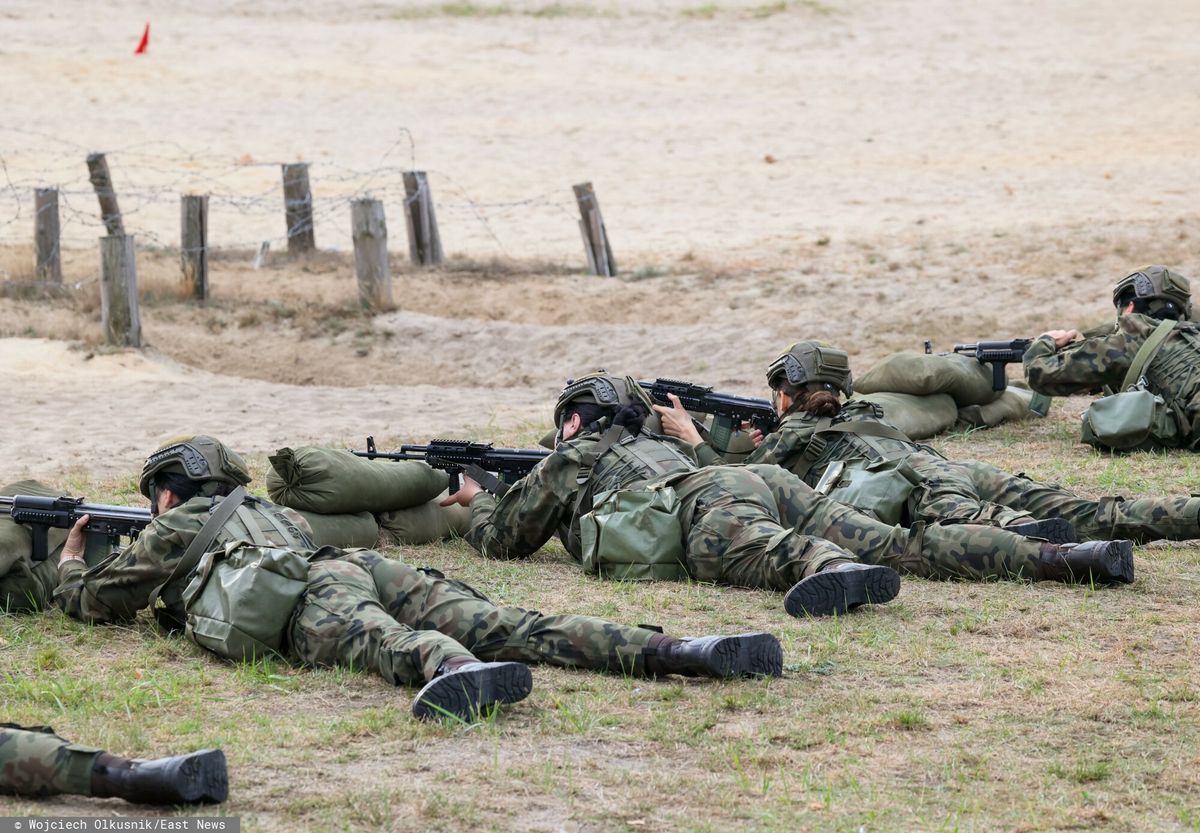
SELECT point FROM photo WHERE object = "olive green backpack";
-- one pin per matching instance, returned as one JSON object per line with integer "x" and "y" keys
{"x": 634, "y": 535}
{"x": 241, "y": 599}
{"x": 1135, "y": 417}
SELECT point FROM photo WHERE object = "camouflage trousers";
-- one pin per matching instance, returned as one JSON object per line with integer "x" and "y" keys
{"x": 38, "y": 762}
{"x": 974, "y": 492}
{"x": 734, "y": 535}
{"x": 942, "y": 551}
{"x": 366, "y": 611}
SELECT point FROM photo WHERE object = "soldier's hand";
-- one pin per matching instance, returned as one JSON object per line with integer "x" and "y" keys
{"x": 756, "y": 437}
{"x": 677, "y": 422}
{"x": 73, "y": 549}
{"x": 466, "y": 491}
{"x": 1062, "y": 337}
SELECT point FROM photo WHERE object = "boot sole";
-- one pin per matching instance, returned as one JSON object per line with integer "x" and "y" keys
{"x": 748, "y": 655}
{"x": 202, "y": 778}
{"x": 1053, "y": 530}
{"x": 468, "y": 694}
{"x": 835, "y": 592}
{"x": 1118, "y": 561}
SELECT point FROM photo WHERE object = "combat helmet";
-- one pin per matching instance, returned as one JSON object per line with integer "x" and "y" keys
{"x": 200, "y": 458}
{"x": 602, "y": 388}
{"x": 812, "y": 362}
{"x": 1156, "y": 291}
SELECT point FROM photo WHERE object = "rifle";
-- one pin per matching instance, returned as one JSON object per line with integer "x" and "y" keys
{"x": 103, "y": 532}
{"x": 728, "y": 411}
{"x": 999, "y": 354}
{"x": 477, "y": 460}
{"x": 996, "y": 353}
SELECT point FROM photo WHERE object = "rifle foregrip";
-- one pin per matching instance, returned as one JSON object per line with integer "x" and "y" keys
{"x": 455, "y": 482}
{"x": 999, "y": 376}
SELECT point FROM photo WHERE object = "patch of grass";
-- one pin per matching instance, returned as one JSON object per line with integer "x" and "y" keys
{"x": 1082, "y": 772}
{"x": 706, "y": 11}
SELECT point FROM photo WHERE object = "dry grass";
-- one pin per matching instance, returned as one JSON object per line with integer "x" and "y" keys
{"x": 969, "y": 707}
{"x": 959, "y": 707}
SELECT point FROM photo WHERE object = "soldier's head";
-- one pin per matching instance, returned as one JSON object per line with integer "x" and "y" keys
{"x": 808, "y": 377}
{"x": 595, "y": 401}
{"x": 1155, "y": 291}
{"x": 185, "y": 467}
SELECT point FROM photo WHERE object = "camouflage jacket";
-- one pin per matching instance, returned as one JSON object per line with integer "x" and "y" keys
{"x": 119, "y": 586}
{"x": 1094, "y": 363}
{"x": 788, "y": 444}
{"x": 542, "y": 504}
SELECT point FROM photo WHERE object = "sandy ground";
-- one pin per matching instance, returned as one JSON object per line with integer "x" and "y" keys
{"x": 863, "y": 172}
{"x": 709, "y": 128}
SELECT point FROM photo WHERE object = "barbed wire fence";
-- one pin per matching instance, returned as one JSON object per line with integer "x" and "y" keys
{"x": 246, "y": 201}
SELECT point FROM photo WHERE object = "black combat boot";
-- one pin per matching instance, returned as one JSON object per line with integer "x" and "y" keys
{"x": 198, "y": 778}
{"x": 842, "y": 586}
{"x": 1105, "y": 562}
{"x": 1054, "y": 530}
{"x": 745, "y": 655}
{"x": 465, "y": 688}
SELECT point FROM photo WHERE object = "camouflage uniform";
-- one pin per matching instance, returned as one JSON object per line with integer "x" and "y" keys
{"x": 359, "y": 610}
{"x": 1102, "y": 361}
{"x": 966, "y": 491}
{"x": 37, "y": 762}
{"x": 367, "y": 611}
{"x": 25, "y": 584}
{"x": 750, "y": 526}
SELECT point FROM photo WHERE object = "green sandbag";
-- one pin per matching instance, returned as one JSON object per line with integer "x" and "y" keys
{"x": 966, "y": 380}
{"x": 425, "y": 524}
{"x": 332, "y": 481}
{"x": 25, "y": 585}
{"x": 1012, "y": 406}
{"x": 16, "y": 540}
{"x": 344, "y": 531}
{"x": 919, "y": 417}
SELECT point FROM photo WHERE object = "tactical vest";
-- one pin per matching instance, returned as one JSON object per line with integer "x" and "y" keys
{"x": 846, "y": 445}
{"x": 635, "y": 459}
{"x": 265, "y": 525}
{"x": 1174, "y": 372}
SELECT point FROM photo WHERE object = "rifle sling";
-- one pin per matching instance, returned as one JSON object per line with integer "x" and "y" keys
{"x": 486, "y": 479}
{"x": 820, "y": 439}
{"x": 583, "y": 503}
{"x": 1146, "y": 353}
{"x": 221, "y": 513}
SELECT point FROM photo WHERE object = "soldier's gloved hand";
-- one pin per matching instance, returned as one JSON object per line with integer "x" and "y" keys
{"x": 73, "y": 549}
{"x": 677, "y": 422}
{"x": 1062, "y": 337}
{"x": 466, "y": 491}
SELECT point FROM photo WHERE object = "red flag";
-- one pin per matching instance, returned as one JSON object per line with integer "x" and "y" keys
{"x": 144, "y": 42}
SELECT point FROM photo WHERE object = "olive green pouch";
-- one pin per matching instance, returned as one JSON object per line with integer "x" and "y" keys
{"x": 880, "y": 488}
{"x": 1135, "y": 417}
{"x": 1128, "y": 420}
{"x": 241, "y": 598}
{"x": 634, "y": 535}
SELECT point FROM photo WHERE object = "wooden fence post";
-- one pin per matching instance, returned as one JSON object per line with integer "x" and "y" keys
{"x": 369, "y": 229}
{"x": 595, "y": 235}
{"x": 424, "y": 242}
{"x": 193, "y": 244}
{"x": 298, "y": 209}
{"x": 45, "y": 235}
{"x": 118, "y": 291}
{"x": 102, "y": 182}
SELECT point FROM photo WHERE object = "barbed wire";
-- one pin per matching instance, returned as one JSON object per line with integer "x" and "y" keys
{"x": 149, "y": 178}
